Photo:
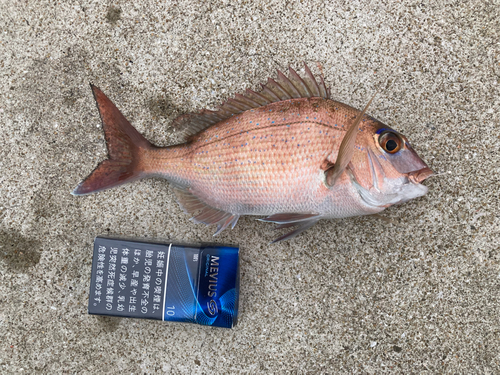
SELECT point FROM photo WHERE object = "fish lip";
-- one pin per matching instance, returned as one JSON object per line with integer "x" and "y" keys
{"x": 419, "y": 176}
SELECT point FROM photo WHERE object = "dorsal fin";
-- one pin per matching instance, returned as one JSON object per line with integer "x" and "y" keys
{"x": 282, "y": 88}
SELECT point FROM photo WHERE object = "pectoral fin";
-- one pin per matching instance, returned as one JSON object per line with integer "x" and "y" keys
{"x": 346, "y": 150}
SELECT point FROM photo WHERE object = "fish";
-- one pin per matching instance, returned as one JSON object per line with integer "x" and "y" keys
{"x": 287, "y": 152}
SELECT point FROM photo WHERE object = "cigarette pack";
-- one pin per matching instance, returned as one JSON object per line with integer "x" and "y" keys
{"x": 165, "y": 281}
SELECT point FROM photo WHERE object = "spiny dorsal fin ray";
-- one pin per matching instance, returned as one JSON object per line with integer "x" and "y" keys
{"x": 304, "y": 91}
{"x": 288, "y": 86}
{"x": 282, "y": 88}
{"x": 312, "y": 84}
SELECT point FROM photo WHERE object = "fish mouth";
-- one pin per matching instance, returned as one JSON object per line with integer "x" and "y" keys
{"x": 419, "y": 176}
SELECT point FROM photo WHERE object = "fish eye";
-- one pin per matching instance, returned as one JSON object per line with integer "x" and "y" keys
{"x": 390, "y": 142}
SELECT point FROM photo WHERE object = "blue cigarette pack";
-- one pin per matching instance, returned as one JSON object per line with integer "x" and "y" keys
{"x": 165, "y": 281}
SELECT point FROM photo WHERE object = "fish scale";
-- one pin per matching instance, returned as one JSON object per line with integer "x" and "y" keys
{"x": 288, "y": 151}
{"x": 253, "y": 158}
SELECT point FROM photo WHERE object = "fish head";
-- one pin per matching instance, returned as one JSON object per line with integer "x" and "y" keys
{"x": 387, "y": 171}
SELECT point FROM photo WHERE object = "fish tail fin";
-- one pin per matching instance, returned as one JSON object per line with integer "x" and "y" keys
{"x": 127, "y": 150}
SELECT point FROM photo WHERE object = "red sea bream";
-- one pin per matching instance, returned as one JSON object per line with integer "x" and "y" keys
{"x": 288, "y": 152}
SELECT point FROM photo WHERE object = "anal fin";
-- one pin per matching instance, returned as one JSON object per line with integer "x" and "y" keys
{"x": 204, "y": 213}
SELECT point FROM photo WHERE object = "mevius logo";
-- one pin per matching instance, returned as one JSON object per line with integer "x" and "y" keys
{"x": 213, "y": 278}
{"x": 212, "y": 307}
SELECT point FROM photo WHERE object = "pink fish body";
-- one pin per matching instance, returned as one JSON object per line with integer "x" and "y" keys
{"x": 271, "y": 153}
